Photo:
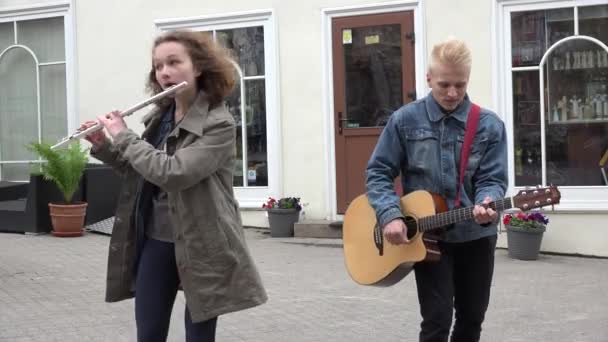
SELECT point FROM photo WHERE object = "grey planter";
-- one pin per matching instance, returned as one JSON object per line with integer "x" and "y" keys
{"x": 281, "y": 221}
{"x": 524, "y": 244}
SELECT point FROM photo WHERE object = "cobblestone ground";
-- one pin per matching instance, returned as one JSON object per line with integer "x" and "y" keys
{"x": 51, "y": 289}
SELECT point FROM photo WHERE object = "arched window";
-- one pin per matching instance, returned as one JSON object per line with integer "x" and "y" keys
{"x": 33, "y": 96}
{"x": 574, "y": 110}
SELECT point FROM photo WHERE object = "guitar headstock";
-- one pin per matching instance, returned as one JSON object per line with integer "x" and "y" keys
{"x": 536, "y": 197}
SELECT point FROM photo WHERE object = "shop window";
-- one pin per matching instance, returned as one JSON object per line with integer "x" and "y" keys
{"x": 575, "y": 93}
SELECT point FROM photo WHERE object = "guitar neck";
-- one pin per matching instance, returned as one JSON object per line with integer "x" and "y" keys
{"x": 459, "y": 215}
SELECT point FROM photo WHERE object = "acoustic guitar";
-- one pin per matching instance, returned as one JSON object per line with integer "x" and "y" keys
{"x": 371, "y": 261}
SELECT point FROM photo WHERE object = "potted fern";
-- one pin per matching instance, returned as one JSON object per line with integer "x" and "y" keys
{"x": 64, "y": 167}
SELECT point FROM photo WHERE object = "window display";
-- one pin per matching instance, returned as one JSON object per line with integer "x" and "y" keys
{"x": 575, "y": 78}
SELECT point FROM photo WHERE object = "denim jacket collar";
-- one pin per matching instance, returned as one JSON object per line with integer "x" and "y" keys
{"x": 435, "y": 114}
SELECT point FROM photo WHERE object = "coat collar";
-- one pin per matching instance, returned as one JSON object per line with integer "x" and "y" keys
{"x": 435, "y": 113}
{"x": 195, "y": 117}
{"x": 192, "y": 121}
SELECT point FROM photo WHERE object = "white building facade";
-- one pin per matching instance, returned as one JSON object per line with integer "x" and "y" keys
{"x": 318, "y": 80}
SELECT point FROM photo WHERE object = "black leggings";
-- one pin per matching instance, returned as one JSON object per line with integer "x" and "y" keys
{"x": 155, "y": 290}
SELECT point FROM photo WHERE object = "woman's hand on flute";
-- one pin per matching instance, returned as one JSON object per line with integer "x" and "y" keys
{"x": 113, "y": 122}
{"x": 97, "y": 138}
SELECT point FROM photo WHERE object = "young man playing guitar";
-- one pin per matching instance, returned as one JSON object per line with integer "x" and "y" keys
{"x": 423, "y": 141}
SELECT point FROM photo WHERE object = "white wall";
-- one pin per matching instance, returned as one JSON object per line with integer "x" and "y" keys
{"x": 470, "y": 21}
{"x": 113, "y": 55}
{"x": 113, "y": 63}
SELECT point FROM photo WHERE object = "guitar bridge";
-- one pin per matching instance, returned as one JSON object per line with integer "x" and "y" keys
{"x": 379, "y": 239}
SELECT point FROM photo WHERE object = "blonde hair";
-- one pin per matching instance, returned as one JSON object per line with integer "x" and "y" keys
{"x": 451, "y": 52}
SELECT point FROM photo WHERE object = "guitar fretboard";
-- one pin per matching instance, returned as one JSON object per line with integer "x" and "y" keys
{"x": 459, "y": 215}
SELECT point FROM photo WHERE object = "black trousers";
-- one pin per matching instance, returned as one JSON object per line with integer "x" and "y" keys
{"x": 155, "y": 291}
{"x": 459, "y": 282}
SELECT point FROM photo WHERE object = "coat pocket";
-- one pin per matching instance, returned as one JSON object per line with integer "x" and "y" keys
{"x": 206, "y": 241}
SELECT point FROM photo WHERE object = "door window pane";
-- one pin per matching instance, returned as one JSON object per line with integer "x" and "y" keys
{"x": 533, "y": 32}
{"x": 233, "y": 102}
{"x": 7, "y": 37}
{"x": 526, "y": 124}
{"x": 247, "y": 45}
{"x": 18, "y": 103}
{"x": 45, "y": 37}
{"x": 53, "y": 100}
{"x": 33, "y": 97}
{"x": 15, "y": 172}
{"x": 593, "y": 22}
{"x": 255, "y": 114}
{"x": 577, "y": 114}
{"x": 372, "y": 78}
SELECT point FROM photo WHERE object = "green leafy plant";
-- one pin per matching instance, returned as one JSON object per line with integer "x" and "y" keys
{"x": 283, "y": 203}
{"x": 64, "y": 166}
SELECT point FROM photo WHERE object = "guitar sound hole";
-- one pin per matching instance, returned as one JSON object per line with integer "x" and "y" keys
{"x": 412, "y": 227}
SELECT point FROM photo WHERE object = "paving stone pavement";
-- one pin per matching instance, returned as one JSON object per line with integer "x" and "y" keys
{"x": 51, "y": 289}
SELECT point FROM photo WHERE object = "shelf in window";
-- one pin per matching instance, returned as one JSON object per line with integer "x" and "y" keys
{"x": 561, "y": 21}
{"x": 583, "y": 121}
{"x": 574, "y": 71}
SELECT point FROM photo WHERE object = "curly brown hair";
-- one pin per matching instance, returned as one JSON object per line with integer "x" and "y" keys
{"x": 218, "y": 76}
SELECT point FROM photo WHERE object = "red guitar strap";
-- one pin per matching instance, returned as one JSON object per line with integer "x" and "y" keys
{"x": 469, "y": 136}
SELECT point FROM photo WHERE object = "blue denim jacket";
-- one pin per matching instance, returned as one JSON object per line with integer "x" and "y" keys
{"x": 423, "y": 144}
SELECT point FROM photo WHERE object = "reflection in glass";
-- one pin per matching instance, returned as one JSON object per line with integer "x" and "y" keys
{"x": 7, "y": 38}
{"x": 45, "y": 37}
{"x": 373, "y": 81}
{"x": 533, "y": 32}
{"x": 255, "y": 114}
{"x": 53, "y": 102}
{"x": 576, "y": 113}
{"x": 526, "y": 133}
{"x": 247, "y": 45}
{"x": 233, "y": 103}
{"x": 19, "y": 99}
{"x": 593, "y": 22}
{"x": 15, "y": 172}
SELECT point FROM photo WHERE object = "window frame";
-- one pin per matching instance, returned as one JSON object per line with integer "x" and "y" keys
{"x": 250, "y": 196}
{"x": 574, "y": 198}
{"x": 46, "y": 11}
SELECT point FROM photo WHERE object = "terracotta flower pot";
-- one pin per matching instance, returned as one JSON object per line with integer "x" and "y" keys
{"x": 67, "y": 219}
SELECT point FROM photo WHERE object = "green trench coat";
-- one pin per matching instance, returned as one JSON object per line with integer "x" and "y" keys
{"x": 217, "y": 272}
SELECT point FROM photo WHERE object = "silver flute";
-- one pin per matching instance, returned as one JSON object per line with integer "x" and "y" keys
{"x": 97, "y": 126}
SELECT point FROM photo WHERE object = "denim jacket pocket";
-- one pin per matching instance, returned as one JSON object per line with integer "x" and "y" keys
{"x": 477, "y": 151}
{"x": 421, "y": 148}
